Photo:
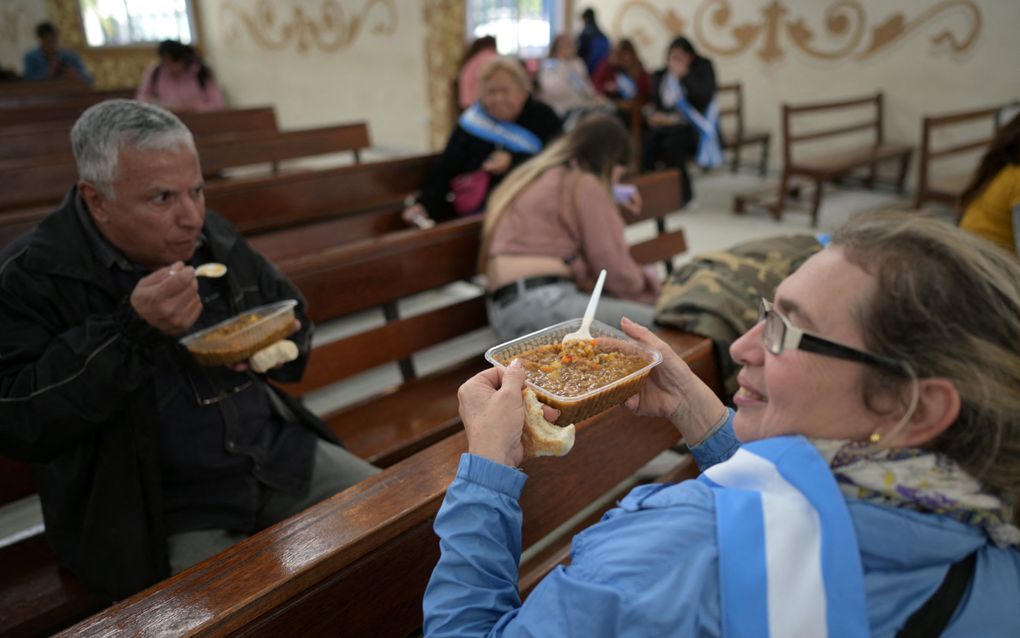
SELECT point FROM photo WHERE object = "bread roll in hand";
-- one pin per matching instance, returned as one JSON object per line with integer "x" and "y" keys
{"x": 283, "y": 351}
{"x": 539, "y": 437}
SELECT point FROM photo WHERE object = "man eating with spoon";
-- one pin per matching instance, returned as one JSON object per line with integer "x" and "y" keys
{"x": 147, "y": 462}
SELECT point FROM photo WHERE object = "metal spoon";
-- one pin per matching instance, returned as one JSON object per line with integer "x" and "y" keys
{"x": 212, "y": 270}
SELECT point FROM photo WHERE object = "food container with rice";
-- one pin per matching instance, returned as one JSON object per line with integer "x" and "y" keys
{"x": 237, "y": 338}
{"x": 579, "y": 378}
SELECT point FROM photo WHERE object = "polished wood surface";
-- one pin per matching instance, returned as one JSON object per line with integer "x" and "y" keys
{"x": 947, "y": 190}
{"x": 358, "y": 562}
{"x": 271, "y": 202}
{"x": 733, "y": 132}
{"x": 826, "y": 167}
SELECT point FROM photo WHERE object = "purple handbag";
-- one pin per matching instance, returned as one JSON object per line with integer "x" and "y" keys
{"x": 469, "y": 192}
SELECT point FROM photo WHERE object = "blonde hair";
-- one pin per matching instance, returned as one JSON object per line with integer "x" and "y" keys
{"x": 596, "y": 145}
{"x": 504, "y": 63}
{"x": 948, "y": 305}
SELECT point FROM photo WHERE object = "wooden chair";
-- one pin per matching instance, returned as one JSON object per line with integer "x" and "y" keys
{"x": 827, "y": 167}
{"x": 947, "y": 190}
{"x": 736, "y": 137}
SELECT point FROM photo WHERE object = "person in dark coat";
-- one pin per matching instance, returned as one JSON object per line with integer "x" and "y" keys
{"x": 502, "y": 130}
{"x": 592, "y": 44}
{"x": 147, "y": 462}
{"x": 671, "y": 140}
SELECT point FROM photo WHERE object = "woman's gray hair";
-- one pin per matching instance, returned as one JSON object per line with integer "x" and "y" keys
{"x": 104, "y": 128}
{"x": 504, "y": 63}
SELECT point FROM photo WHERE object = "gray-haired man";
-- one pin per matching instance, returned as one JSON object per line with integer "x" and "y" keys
{"x": 147, "y": 462}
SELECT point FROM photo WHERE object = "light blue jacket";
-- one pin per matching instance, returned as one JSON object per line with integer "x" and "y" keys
{"x": 37, "y": 66}
{"x": 650, "y": 567}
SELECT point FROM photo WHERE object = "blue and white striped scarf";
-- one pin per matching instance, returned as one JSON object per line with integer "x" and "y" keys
{"x": 788, "y": 557}
{"x": 707, "y": 124}
{"x": 508, "y": 135}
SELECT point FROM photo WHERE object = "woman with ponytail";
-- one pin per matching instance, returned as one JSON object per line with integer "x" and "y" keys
{"x": 553, "y": 224}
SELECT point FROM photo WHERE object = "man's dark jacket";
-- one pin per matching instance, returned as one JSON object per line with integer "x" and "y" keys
{"x": 77, "y": 394}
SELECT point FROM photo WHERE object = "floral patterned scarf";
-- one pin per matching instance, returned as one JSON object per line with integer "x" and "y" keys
{"x": 920, "y": 480}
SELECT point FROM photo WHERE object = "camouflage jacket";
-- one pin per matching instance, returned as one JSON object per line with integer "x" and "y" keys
{"x": 716, "y": 294}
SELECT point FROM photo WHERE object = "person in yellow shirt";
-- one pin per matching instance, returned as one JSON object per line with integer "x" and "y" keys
{"x": 991, "y": 202}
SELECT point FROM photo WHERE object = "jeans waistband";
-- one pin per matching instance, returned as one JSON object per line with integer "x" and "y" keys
{"x": 505, "y": 294}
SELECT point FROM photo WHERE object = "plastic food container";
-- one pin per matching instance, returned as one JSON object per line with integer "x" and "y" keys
{"x": 578, "y": 408}
{"x": 239, "y": 337}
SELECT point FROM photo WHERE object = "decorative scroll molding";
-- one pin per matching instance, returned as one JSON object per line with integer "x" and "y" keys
{"x": 444, "y": 46}
{"x": 330, "y": 28}
{"x": 844, "y": 32}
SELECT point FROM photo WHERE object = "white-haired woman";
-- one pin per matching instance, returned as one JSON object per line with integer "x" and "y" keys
{"x": 502, "y": 130}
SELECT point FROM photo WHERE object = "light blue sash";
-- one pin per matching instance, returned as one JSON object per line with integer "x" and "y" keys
{"x": 709, "y": 150}
{"x": 625, "y": 86}
{"x": 507, "y": 135}
{"x": 789, "y": 564}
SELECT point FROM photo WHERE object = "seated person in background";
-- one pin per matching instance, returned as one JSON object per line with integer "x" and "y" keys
{"x": 481, "y": 51}
{"x": 991, "y": 203}
{"x": 180, "y": 80}
{"x": 500, "y": 131}
{"x": 682, "y": 118}
{"x": 147, "y": 462}
{"x": 553, "y": 225}
{"x": 874, "y": 446}
{"x": 49, "y": 62}
{"x": 563, "y": 82}
{"x": 622, "y": 76}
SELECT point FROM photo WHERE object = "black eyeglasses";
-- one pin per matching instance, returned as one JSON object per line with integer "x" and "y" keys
{"x": 780, "y": 335}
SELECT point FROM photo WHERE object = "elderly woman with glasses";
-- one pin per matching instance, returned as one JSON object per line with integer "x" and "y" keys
{"x": 865, "y": 484}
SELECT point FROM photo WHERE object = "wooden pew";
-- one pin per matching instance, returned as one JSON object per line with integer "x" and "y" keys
{"x": 827, "y": 167}
{"x": 53, "y": 138}
{"x": 41, "y": 181}
{"x": 52, "y": 95}
{"x": 360, "y": 560}
{"x": 279, "y": 201}
{"x": 55, "y": 108}
{"x": 736, "y": 136}
{"x": 948, "y": 190}
{"x": 397, "y": 422}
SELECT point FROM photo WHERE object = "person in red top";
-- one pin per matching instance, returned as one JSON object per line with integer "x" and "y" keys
{"x": 622, "y": 75}
{"x": 553, "y": 224}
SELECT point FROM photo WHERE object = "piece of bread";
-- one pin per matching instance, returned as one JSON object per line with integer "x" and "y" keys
{"x": 541, "y": 438}
{"x": 283, "y": 351}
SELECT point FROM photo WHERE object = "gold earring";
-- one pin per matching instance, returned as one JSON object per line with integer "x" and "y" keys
{"x": 875, "y": 437}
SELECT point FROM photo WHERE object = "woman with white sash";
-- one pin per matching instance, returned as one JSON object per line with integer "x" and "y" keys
{"x": 564, "y": 85}
{"x": 499, "y": 132}
{"x": 866, "y": 484}
{"x": 682, "y": 119}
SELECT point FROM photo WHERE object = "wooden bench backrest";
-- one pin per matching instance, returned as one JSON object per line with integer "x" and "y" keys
{"x": 56, "y": 108}
{"x": 53, "y": 138}
{"x": 929, "y": 125}
{"x": 361, "y": 559}
{"x": 874, "y": 121}
{"x": 731, "y": 107}
{"x": 278, "y": 201}
{"x": 33, "y": 88}
{"x": 242, "y": 149}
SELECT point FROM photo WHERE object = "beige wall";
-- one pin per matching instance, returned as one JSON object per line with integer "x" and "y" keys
{"x": 325, "y": 61}
{"x": 779, "y": 64}
{"x": 17, "y": 30}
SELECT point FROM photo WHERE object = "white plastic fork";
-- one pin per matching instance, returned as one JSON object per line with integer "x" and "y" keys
{"x": 589, "y": 313}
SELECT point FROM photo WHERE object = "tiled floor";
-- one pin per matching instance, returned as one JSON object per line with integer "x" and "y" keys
{"x": 710, "y": 225}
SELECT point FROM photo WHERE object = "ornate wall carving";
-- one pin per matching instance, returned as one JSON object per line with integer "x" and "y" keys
{"x": 444, "y": 46}
{"x": 329, "y": 28}
{"x": 845, "y": 34}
